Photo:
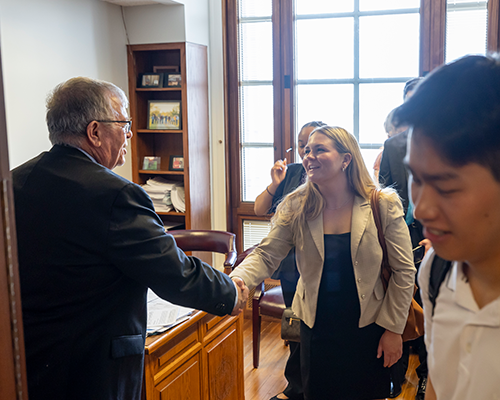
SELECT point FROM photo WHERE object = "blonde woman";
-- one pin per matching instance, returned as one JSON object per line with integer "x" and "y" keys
{"x": 351, "y": 328}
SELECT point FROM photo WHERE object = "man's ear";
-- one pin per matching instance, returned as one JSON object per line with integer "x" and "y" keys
{"x": 94, "y": 134}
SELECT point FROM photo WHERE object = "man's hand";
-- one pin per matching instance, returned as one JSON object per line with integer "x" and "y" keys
{"x": 391, "y": 344}
{"x": 242, "y": 291}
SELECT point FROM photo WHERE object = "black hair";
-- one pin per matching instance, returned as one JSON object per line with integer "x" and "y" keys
{"x": 457, "y": 106}
{"x": 316, "y": 124}
{"x": 410, "y": 85}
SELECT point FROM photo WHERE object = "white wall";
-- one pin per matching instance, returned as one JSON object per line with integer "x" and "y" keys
{"x": 155, "y": 24}
{"x": 45, "y": 43}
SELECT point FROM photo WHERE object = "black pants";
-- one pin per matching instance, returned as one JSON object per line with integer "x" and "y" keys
{"x": 288, "y": 275}
{"x": 398, "y": 370}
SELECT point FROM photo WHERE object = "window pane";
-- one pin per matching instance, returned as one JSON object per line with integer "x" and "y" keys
{"x": 254, "y": 231}
{"x": 369, "y": 157}
{"x": 332, "y": 104}
{"x": 466, "y": 29}
{"x": 256, "y": 170}
{"x": 304, "y": 7}
{"x": 325, "y": 48}
{"x": 256, "y": 114}
{"x": 256, "y": 51}
{"x": 389, "y": 46}
{"x": 255, "y": 8}
{"x": 376, "y": 100}
{"x": 371, "y": 5}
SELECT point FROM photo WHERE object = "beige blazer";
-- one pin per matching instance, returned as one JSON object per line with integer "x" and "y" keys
{"x": 389, "y": 310}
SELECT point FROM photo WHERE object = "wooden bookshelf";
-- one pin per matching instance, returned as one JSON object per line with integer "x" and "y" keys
{"x": 191, "y": 141}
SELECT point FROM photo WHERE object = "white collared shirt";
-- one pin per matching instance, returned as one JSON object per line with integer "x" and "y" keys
{"x": 463, "y": 341}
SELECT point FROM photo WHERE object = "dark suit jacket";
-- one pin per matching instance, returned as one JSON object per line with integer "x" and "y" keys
{"x": 90, "y": 244}
{"x": 393, "y": 173}
{"x": 392, "y": 170}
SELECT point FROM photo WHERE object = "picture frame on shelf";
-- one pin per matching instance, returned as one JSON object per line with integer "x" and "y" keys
{"x": 151, "y": 80}
{"x": 164, "y": 114}
{"x": 176, "y": 163}
{"x": 151, "y": 163}
{"x": 172, "y": 80}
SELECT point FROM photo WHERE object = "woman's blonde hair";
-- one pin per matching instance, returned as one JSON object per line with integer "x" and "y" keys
{"x": 306, "y": 202}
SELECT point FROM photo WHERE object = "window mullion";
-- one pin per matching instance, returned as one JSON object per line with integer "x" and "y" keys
{"x": 356, "y": 71}
{"x": 277, "y": 81}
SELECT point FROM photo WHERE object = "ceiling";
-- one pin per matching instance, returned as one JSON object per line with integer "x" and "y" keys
{"x": 139, "y": 2}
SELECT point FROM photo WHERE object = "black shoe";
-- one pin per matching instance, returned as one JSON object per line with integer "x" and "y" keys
{"x": 422, "y": 385}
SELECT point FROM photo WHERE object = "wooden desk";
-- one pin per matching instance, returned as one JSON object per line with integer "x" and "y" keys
{"x": 200, "y": 359}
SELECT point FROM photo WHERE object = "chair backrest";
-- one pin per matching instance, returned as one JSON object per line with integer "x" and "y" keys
{"x": 207, "y": 240}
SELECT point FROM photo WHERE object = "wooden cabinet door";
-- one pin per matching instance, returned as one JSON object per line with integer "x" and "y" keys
{"x": 183, "y": 384}
{"x": 222, "y": 366}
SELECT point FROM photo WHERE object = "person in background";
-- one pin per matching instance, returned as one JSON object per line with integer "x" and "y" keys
{"x": 391, "y": 131}
{"x": 285, "y": 179}
{"x": 350, "y": 327}
{"x": 454, "y": 164}
{"x": 393, "y": 173}
{"x": 90, "y": 244}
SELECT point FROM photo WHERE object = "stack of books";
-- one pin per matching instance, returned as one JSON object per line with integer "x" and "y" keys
{"x": 166, "y": 195}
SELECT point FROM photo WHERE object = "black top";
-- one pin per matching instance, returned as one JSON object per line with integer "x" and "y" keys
{"x": 392, "y": 170}
{"x": 295, "y": 176}
{"x": 339, "y": 359}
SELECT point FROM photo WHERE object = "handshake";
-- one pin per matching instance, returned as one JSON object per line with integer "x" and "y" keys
{"x": 242, "y": 291}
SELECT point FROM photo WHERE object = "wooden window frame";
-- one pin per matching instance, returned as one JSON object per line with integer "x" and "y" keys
{"x": 432, "y": 54}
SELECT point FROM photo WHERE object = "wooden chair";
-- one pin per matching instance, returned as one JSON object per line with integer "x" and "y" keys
{"x": 264, "y": 302}
{"x": 207, "y": 240}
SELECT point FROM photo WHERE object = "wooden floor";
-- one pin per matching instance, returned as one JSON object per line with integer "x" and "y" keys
{"x": 268, "y": 380}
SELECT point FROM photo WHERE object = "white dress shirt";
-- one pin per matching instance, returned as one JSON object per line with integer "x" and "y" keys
{"x": 463, "y": 341}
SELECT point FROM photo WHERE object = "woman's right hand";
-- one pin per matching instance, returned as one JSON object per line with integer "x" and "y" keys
{"x": 278, "y": 172}
{"x": 264, "y": 201}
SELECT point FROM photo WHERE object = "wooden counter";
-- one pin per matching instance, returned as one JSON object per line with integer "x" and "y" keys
{"x": 200, "y": 359}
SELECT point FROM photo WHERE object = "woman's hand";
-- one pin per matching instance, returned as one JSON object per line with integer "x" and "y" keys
{"x": 391, "y": 344}
{"x": 278, "y": 173}
{"x": 427, "y": 245}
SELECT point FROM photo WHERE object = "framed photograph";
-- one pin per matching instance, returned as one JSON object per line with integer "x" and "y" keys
{"x": 164, "y": 114}
{"x": 151, "y": 163}
{"x": 151, "y": 80}
{"x": 173, "y": 80}
{"x": 176, "y": 163}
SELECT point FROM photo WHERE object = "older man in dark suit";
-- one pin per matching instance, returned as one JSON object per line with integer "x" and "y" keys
{"x": 90, "y": 245}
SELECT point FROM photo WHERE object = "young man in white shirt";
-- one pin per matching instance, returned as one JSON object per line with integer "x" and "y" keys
{"x": 454, "y": 162}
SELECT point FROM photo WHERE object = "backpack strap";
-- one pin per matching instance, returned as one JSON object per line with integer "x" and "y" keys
{"x": 439, "y": 270}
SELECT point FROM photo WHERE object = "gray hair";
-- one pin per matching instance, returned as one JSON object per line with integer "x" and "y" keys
{"x": 73, "y": 104}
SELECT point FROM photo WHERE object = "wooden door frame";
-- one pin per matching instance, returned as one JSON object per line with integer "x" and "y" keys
{"x": 13, "y": 382}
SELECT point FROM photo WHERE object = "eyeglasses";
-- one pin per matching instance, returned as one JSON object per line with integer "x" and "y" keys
{"x": 126, "y": 128}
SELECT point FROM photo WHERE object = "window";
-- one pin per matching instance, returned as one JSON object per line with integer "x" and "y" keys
{"x": 466, "y": 28}
{"x": 352, "y": 59}
{"x": 289, "y": 62}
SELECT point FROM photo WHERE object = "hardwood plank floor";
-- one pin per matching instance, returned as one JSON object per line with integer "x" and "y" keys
{"x": 268, "y": 380}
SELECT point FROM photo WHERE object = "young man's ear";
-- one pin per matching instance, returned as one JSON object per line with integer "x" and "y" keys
{"x": 93, "y": 134}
